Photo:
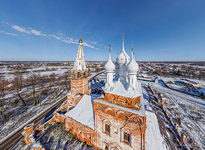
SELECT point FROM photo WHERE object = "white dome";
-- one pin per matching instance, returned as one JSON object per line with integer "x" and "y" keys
{"x": 133, "y": 66}
{"x": 127, "y": 58}
{"x": 121, "y": 59}
{"x": 109, "y": 66}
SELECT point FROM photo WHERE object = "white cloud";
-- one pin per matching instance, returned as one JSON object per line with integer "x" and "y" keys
{"x": 94, "y": 43}
{"x": 55, "y": 36}
{"x": 8, "y": 33}
{"x": 70, "y": 41}
{"x": 20, "y": 29}
{"x": 59, "y": 36}
{"x": 36, "y": 32}
{"x": 28, "y": 31}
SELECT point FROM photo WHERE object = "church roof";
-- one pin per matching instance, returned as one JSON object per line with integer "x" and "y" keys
{"x": 83, "y": 111}
{"x": 120, "y": 88}
{"x": 79, "y": 63}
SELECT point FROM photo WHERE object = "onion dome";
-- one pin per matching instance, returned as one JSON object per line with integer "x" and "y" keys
{"x": 127, "y": 58}
{"x": 133, "y": 66}
{"x": 123, "y": 58}
{"x": 109, "y": 66}
{"x": 80, "y": 41}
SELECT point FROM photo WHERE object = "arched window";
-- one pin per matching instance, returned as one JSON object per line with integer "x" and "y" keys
{"x": 79, "y": 74}
{"x": 126, "y": 138}
{"x": 106, "y": 127}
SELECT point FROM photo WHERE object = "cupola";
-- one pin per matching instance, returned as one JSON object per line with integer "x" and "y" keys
{"x": 123, "y": 58}
{"x": 133, "y": 66}
{"x": 109, "y": 66}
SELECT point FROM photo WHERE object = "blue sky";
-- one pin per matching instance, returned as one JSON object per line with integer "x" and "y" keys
{"x": 49, "y": 30}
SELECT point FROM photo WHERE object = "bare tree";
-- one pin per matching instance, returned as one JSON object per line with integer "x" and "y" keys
{"x": 34, "y": 81}
{"x": 2, "y": 109}
{"x": 66, "y": 81}
{"x": 17, "y": 84}
{"x": 42, "y": 81}
{"x": 2, "y": 86}
{"x": 52, "y": 81}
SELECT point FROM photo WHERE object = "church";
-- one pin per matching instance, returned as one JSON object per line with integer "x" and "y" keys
{"x": 116, "y": 119}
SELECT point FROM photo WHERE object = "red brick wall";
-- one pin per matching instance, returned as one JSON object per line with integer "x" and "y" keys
{"x": 82, "y": 132}
{"x": 79, "y": 86}
{"x": 120, "y": 121}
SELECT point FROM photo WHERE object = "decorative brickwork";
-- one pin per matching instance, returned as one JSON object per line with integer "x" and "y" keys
{"x": 133, "y": 103}
{"x": 120, "y": 122}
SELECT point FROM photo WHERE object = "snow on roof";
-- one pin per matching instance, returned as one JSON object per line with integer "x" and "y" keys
{"x": 83, "y": 111}
{"x": 140, "y": 112}
{"x": 153, "y": 137}
{"x": 120, "y": 89}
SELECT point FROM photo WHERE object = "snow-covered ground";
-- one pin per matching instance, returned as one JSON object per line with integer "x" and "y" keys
{"x": 8, "y": 73}
{"x": 153, "y": 138}
{"x": 164, "y": 90}
{"x": 188, "y": 111}
{"x": 26, "y": 114}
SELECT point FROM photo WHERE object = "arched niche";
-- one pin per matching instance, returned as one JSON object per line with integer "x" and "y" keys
{"x": 135, "y": 119}
{"x": 120, "y": 115}
{"x": 114, "y": 146}
{"x": 105, "y": 146}
{"x": 110, "y": 97}
{"x": 106, "y": 121}
{"x": 110, "y": 111}
{"x": 122, "y": 101}
{"x": 136, "y": 100}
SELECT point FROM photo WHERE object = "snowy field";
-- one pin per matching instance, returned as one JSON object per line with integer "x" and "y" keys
{"x": 8, "y": 73}
{"x": 187, "y": 111}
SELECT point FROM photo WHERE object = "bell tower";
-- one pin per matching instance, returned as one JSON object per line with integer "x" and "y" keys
{"x": 79, "y": 73}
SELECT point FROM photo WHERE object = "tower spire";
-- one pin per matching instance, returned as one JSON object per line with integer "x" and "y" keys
{"x": 79, "y": 63}
{"x": 123, "y": 48}
{"x": 80, "y": 41}
{"x": 132, "y": 50}
{"x": 109, "y": 51}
